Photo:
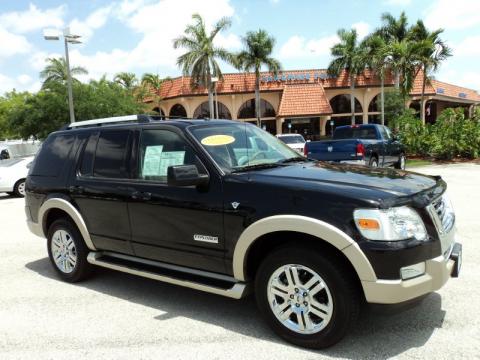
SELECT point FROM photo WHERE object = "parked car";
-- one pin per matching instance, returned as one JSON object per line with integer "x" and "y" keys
{"x": 295, "y": 141}
{"x": 224, "y": 207}
{"x": 372, "y": 145}
{"x": 13, "y": 173}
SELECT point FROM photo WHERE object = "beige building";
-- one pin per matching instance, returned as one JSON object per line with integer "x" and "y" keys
{"x": 305, "y": 101}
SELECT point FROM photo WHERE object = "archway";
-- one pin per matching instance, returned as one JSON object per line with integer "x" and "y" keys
{"x": 177, "y": 112}
{"x": 203, "y": 111}
{"x": 247, "y": 109}
{"x": 159, "y": 111}
{"x": 341, "y": 104}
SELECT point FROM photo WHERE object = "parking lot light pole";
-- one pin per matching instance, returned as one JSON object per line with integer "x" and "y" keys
{"x": 72, "y": 39}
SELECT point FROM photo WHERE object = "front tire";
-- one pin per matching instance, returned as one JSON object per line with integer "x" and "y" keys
{"x": 306, "y": 297}
{"x": 67, "y": 251}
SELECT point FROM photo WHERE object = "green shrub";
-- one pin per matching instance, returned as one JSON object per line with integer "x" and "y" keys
{"x": 451, "y": 136}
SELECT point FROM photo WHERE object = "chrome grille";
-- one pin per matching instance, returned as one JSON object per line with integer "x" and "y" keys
{"x": 444, "y": 213}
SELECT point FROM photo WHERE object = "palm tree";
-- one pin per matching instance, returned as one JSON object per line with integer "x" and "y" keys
{"x": 153, "y": 82}
{"x": 348, "y": 55}
{"x": 376, "y": 58}
{"x": 200, "y": 60}
{"x": 56, "y": 71}
{"x": 127, "y": 80}
{"x": 257, "y": 53}
{"x": 395, "y": 31}
{"x": 434, "y": 51}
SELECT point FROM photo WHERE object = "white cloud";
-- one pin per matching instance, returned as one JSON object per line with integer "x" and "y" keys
{"x": 38, "y": 59}
{"x": 398, "y": 2}
{"x": 461, "y": 14}
{"x": 299, "y": 47}
{"x": 6, "y": 83}
{"x": 362, "y": 28}
{"x": 12, "y": 44}
{"x": 94, "y": 21}
{"x": 469, "y": 46}
{"x": 158, "y": 24}
{"x": 33, "y": 19}
{"x": 230, "y": 41}
{"x": 24, "y": 79}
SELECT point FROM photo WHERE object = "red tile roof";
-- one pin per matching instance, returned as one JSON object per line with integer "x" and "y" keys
{"x": 454, "y": 91}
{"x": 304, "y": 100}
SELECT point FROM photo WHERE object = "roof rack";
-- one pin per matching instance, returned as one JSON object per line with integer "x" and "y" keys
{"x": 141, "y": 118}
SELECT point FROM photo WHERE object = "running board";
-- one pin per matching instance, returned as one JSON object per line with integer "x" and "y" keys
{"x": 172, "y": 274}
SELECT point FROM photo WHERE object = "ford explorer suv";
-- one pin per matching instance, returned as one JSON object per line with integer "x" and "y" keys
{"x": 372, "y": 145}
{"x": 224, "y": 207}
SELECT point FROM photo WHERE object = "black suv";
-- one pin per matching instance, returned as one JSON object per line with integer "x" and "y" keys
{"x": 224, "y": 207}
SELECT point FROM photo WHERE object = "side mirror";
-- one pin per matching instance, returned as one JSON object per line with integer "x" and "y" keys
{"x": 185, "y": 175}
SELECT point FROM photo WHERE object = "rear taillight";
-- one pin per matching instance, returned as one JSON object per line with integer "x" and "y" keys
{"x": 360, "y": 149}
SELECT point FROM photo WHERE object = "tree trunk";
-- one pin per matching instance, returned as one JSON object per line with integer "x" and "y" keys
{"x": 210, "y": 93}
{"x": 382, "y": 96}
{"x": 397, "y": 79}
{"x": 352, "y": 98}
{"x": 422, "y": 100}
{"x": 257, "y": 98}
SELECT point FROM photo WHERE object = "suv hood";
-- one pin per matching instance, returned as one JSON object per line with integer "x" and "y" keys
{"x": 384, "y": 183}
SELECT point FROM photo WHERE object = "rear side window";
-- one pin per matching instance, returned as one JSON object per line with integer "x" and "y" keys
{"x": 52, "y": 155}
{"x": 112, "y": 154}
{"x": 355, "y": 133}
{"x": 86, "y": 165}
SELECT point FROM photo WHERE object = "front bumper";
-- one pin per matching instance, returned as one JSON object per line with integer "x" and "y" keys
{"x": 437, "y": 273}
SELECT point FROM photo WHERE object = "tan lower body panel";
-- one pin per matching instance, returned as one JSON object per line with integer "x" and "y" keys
{"x": 437, "y": 273}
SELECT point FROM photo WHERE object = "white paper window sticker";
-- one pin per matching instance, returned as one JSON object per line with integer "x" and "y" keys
{"x": 170, "y": 158}
{"x": 217, "y": 140}
{"x": 151, "y": 161}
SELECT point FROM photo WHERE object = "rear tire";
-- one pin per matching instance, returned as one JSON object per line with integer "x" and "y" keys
{"x": 19, "y": 188}
{"x": 313, "y": 313}
{"x": 401, "y": 163}
{"x": 373, "y": 162}
{"x": 67, "y": 251}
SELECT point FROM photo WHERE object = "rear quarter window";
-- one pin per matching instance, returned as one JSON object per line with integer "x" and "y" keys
{"x": 53, "y": 155}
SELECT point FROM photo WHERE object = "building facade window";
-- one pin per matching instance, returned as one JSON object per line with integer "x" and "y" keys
{"x": 247, "y": 110}
{"x": 177, "y": 112}
{"x": 341, "y": 104}
{"x": 374, "y": 105}
{"x": 203, "y": 111}
{"x": 341, "y": 121}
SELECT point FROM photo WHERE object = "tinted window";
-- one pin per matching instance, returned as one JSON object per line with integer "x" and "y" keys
{"x": 160, "y": 149}
{"x": 294, "y": 139}
{"x": 111, "y": 156}
{"x": 86, "y": 166}
{"x": 52, "y": 156}
{"x": 368, "y": 133}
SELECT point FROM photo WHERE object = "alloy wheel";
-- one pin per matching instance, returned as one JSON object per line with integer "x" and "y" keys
{"x": 300, "y": 299}
{"x": 64, "y": 252}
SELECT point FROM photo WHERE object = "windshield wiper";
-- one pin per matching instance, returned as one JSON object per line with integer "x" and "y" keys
{"x": 256, "y": 167}
{"x": 293, "y": 159}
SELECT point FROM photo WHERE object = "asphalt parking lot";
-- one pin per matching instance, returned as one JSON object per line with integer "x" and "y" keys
{"x": 116, "y": 315}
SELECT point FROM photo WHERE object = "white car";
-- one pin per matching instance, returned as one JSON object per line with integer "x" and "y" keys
{"x": 295, "y": 141}
{"x": 13, "y": 173}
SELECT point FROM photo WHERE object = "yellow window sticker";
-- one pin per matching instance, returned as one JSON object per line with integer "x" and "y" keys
{"x": 217, "y": 140}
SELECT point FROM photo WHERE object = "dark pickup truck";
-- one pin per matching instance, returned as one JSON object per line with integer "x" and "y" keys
{"x": 371, "y": 144}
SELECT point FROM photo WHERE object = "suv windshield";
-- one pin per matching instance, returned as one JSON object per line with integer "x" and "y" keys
{"x": 240, "y": 146}
{"x": 292, "y": 139}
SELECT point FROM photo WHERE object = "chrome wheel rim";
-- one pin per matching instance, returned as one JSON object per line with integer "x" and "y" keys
{"x": 300, "y": 299}
{"x": 402, "y": 162}
{"x": 64, "y": 252}
{"x": 374, "y": 164}
{"x": 21, "y": 188}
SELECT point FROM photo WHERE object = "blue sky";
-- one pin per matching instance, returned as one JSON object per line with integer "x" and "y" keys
{"x": 136, "y": 35}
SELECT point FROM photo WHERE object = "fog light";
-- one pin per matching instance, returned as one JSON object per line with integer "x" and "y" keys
{"x": 412, "y": 271}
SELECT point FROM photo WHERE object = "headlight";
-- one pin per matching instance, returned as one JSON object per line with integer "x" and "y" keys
{"x": 392, "y": 224}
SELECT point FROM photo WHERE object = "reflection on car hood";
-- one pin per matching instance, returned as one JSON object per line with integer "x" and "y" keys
{"x": 396, "y": 182}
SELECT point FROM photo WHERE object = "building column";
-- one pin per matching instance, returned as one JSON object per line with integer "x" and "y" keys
{"x": 278, "y": 124}
{"x": 323, "y": 124}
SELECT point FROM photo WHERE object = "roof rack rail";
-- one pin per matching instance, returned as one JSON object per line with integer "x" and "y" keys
{"x": 141, "y": 118}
